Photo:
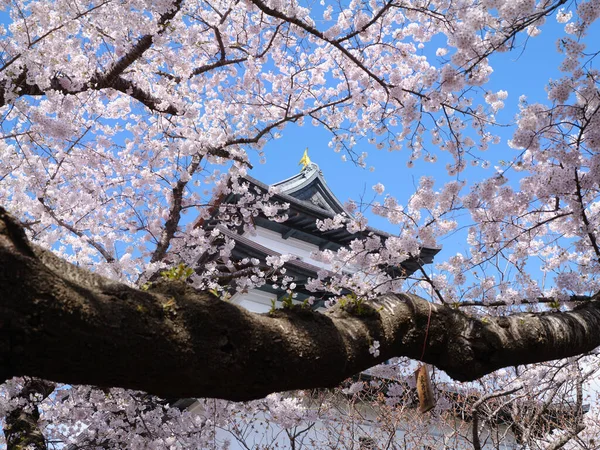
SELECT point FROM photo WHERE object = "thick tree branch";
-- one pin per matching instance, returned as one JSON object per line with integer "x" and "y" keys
{"x": 145, "y": 98}
{"x": 143, "y": 44}
{"x": 170, "y": 227}
{"x": 584, "y": 217}
{"x": 315, "y": 32}
{"x": 525, "y": 301}
{"x": 118, "y": 83}
{"x": 111, "y": 79}
{"x": 62, "y": 323}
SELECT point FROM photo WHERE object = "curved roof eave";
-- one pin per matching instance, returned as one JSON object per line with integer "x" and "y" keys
{"x": 309, "y": 186}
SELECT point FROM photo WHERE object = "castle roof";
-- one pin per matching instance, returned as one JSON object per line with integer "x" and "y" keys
{"x": 309, "y": 187}
{"x": 309, "y": 199}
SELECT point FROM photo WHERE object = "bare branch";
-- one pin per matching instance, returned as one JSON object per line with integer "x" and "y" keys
{"x": 105, "y": 254}
{"x": 475, "y": 412}
{"x": 21, "y": 428}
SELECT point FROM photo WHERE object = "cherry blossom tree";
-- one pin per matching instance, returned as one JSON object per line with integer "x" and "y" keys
{"x": 118, "y": 119}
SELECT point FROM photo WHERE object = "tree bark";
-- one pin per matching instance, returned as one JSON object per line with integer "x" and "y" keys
{"x": 61, "y": 323}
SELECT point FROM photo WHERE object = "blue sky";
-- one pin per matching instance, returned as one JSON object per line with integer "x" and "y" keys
{"x": 524, "y": 71}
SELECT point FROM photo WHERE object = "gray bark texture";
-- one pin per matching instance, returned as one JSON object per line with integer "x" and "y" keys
{"x": 64, "y": 324}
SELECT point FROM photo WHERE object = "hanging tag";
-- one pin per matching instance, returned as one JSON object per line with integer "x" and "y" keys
{"x": 424, "y": 389}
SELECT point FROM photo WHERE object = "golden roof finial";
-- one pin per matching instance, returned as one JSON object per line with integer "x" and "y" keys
{"x": 305, "y": 161}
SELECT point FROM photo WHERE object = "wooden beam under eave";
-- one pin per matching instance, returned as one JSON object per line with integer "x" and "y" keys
{"x": 289, "y": 233}
{"x": 326, "y": 245}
